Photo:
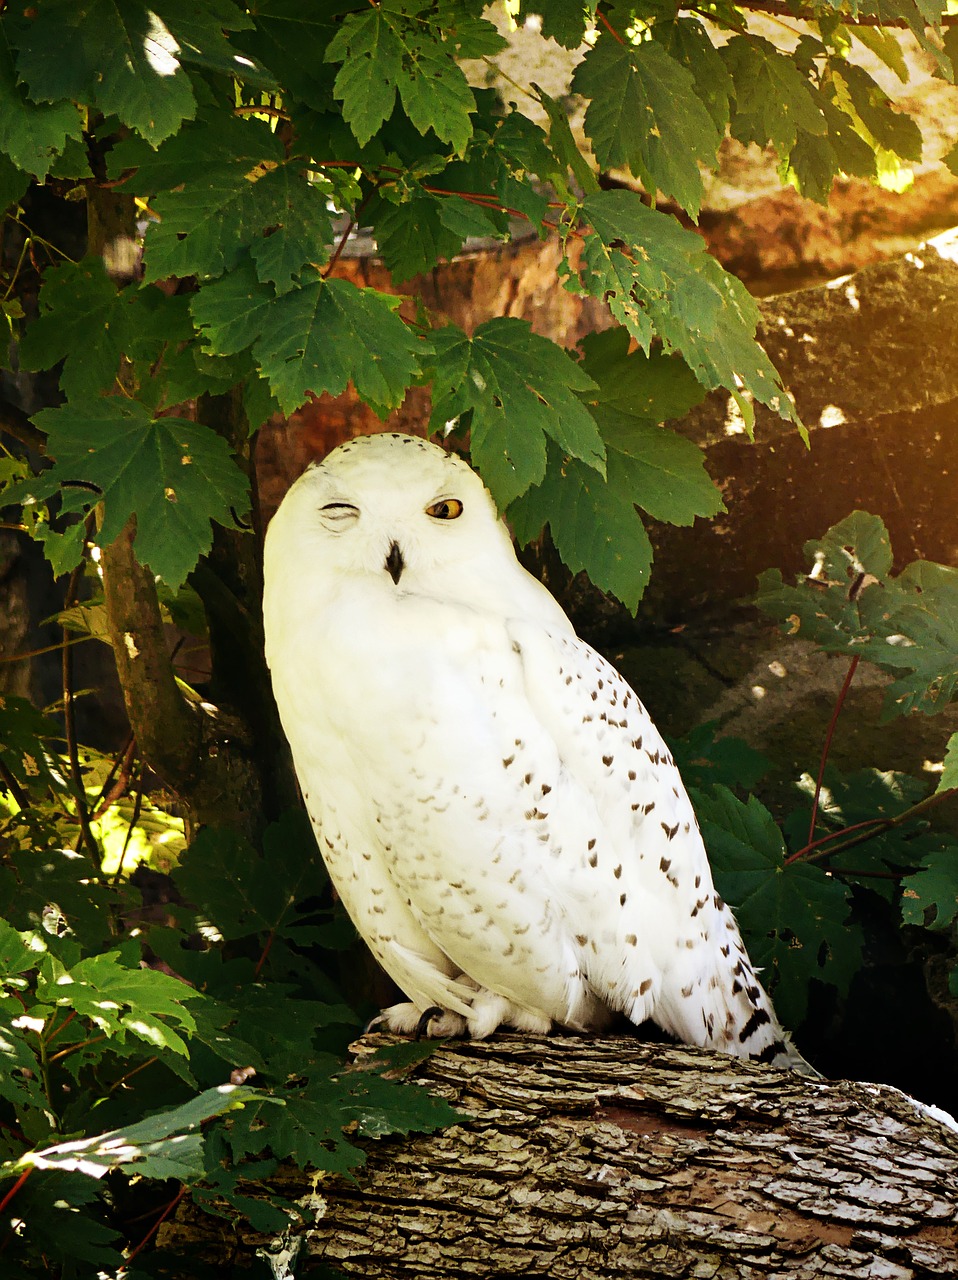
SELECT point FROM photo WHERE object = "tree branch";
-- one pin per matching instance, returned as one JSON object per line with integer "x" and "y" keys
{"x": 167, "y": 731}
{"x": 597, "y": 1158}
{"x": 801, "y": 13}
{"x": 14, "y": 422}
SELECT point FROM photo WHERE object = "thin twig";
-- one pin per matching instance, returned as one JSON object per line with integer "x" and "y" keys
{"x": 69, "y": 722}
{"x": 109, "y": 793}
{"x": 137, "y": 808}
{"x": 47, "y": 648}
{"x": 840, "y": 701}
{"x": 158, "y": 1223}
{"x": 876, "y": 827}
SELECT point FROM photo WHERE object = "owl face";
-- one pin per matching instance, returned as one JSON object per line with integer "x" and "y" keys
{"x": 389, "y": 507}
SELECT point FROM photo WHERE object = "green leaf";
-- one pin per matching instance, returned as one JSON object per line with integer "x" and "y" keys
{"x": 20, "y": 953}
{"x": 513, "y": 389}
{"x": 167, "y": 1145}
{"x": 61, "y": 1229}
{"x": 562, "y": 20}
{"x": 242, "y": 892}
{"x": 705, "y": 758}
{"x": 794, "y": 919}
{"x": 23, "y": 733}
{"x": 664, "y": 472}
{"x": 773, "y": 100}
{"x": 644, "y": 114}
{"x": 949, "y": 774}
{"x": 247, "y": 196}
{"x": 31, "y": 134}
{"x": 371, "y": 53}
{"x": 564, "y": 146}
{"x": 687, "y": 41}
{"x": 316, "y": 338}
{"x": 13, "y": 185}
{"x": 385, "y": 51}
{"x": 888, "y": 128}
{"x": 849, "y": 603}
{"x": 658, "y": 279}
{"x": 83, "y": 322}
{"x": 116, "y": 53}
{"x": 174, "y": 475}
{"x": 884, "y": 45}
{"x": 290, "y": 39}
{"x": 930, "y": 896}
{"x": 593, "y": 522}
{"x": 413, "y": 236}
{"x": 20, "y": 1070}
{"x": 118, "y": 999}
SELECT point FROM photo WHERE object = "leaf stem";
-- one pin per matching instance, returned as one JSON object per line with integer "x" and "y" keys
{"x": 609, "y": 27}
{"x": 82, "y": 1044}
{"x": 15, "y": 1188}
{"x": 264, "y": 954}
{"x": 842, "y": 694}
{"x": 873, "y": 827}
{"x": 158, "y": 1223}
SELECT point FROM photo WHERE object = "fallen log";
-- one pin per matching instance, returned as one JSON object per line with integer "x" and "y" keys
{"x": 593, "y": 1159}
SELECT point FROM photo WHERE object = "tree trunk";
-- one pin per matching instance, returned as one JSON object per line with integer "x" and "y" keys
{"x": 588, "y": 1159}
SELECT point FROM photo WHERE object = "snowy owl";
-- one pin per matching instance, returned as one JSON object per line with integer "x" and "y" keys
{"x": 498, "y": 813}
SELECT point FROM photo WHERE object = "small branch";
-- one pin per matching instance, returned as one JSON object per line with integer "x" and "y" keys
{"x": 274, "y": 112}
{"x": 167, "y": 732}
{"x": 17, "y": 424}
{"x": 47, "y": 648}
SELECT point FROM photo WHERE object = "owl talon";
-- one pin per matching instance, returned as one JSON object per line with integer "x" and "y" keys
{"x": 422, "y": 1026}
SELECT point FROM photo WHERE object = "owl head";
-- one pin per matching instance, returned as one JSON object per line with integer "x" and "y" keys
{"x": 395, "y": 515}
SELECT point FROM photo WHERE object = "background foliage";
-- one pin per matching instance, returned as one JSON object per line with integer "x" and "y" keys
{"x": 218, "y": 156}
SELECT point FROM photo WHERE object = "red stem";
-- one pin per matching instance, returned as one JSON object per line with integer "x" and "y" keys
{"x": 158, "y": 1223}
{"x": 609, "y": 27}
{"x": 15, "y": 1188}
{"x": 843, "y": 693}
{"x": 265, "y": 953}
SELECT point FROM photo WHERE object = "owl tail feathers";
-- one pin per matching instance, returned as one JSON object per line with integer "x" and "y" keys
{"x": 723, "y": 1005}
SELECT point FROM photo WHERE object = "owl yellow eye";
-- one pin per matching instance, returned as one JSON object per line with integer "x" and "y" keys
{"x": 446, "y": 509}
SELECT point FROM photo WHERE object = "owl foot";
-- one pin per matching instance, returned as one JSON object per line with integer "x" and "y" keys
{"x": 408, "y": 1019}
{"x": 488, "y": 1011}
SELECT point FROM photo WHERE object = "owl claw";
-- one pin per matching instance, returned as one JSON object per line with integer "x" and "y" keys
{"x": 422, "y": 1026}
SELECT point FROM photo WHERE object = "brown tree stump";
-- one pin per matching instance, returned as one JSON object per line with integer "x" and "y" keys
{"x": 591, "y": 1159}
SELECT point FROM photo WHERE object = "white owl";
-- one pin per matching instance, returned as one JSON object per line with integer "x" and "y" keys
{"x": 498, "y": 813}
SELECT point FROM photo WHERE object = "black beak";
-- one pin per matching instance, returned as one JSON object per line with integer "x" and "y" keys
{"x": 395, "y": 563}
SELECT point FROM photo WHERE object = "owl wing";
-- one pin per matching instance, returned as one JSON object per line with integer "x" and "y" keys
{"x": 656, "y": 939}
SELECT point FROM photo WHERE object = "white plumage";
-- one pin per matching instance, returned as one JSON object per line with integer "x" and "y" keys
{"x": 499, "y": 815}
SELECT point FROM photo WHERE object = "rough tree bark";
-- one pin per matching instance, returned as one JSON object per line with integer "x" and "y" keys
{"x": 592, "y": 1159}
